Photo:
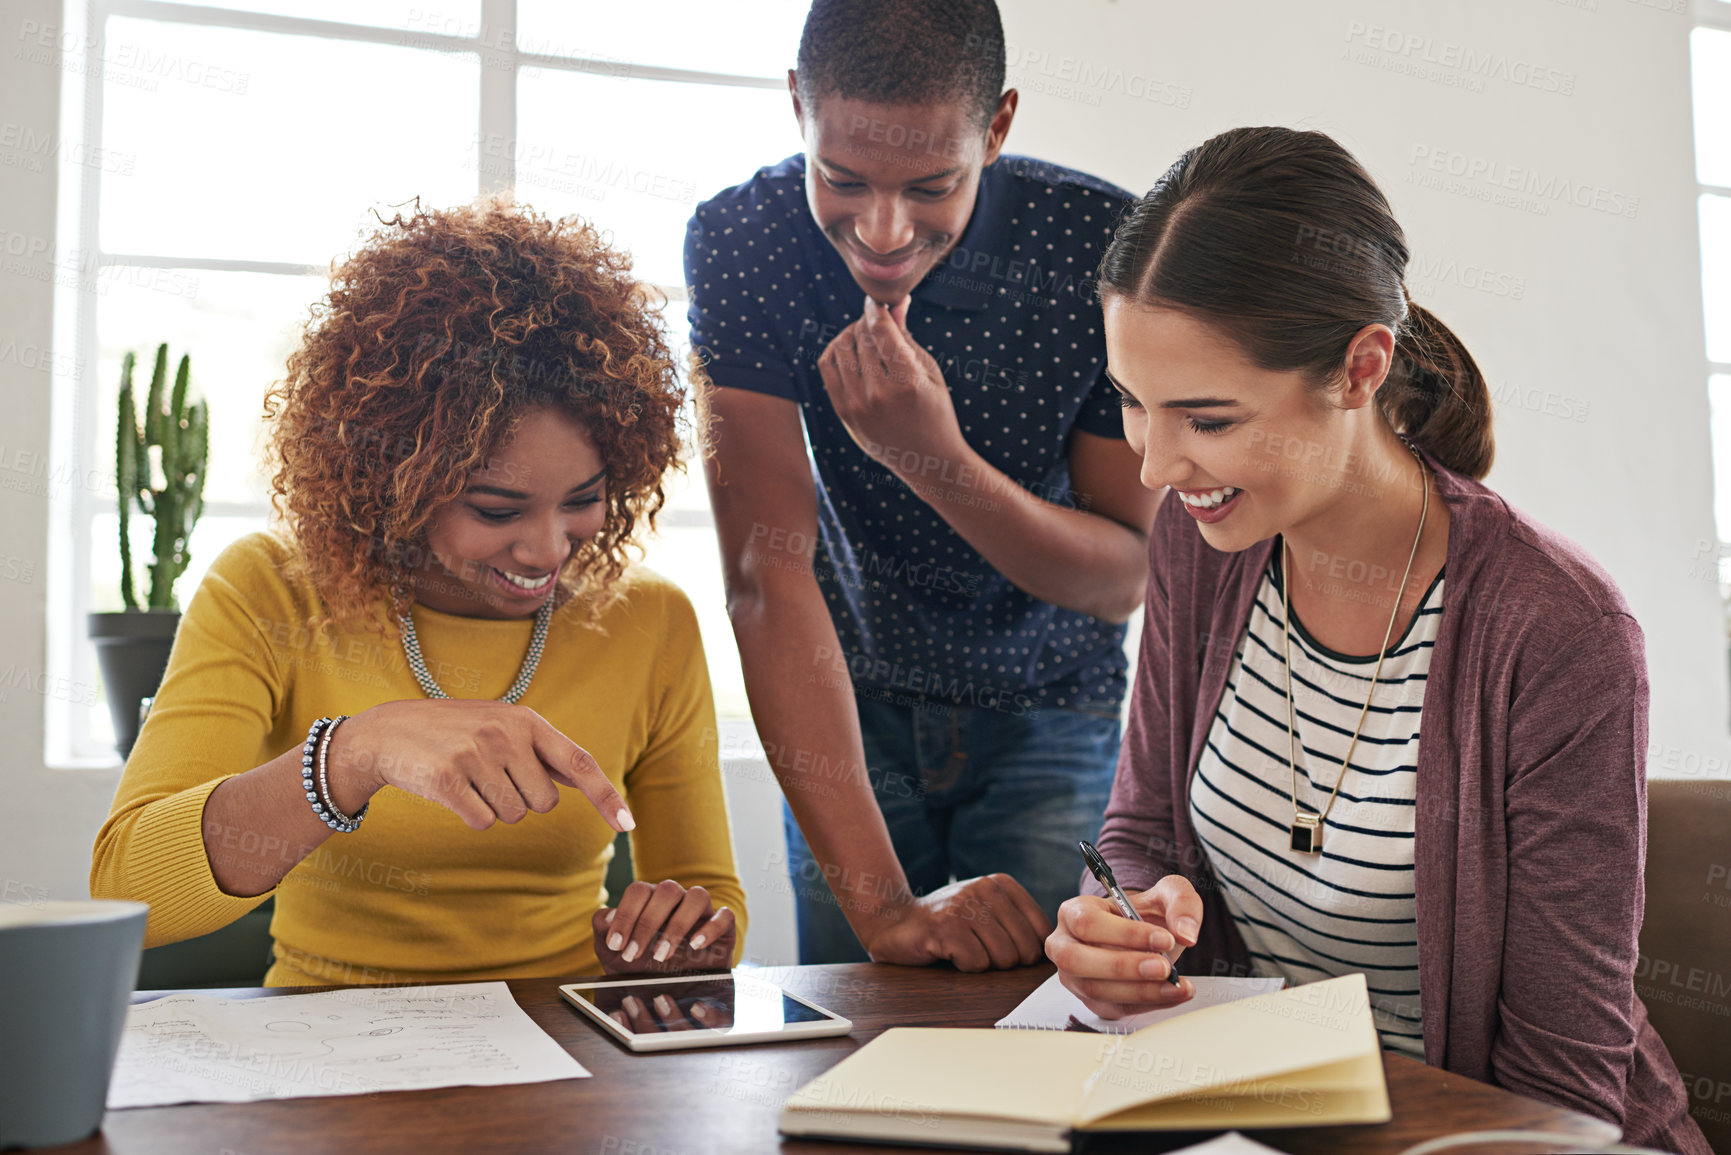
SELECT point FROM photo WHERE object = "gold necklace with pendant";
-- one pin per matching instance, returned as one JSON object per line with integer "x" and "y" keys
{"x": 1307, "y": 826}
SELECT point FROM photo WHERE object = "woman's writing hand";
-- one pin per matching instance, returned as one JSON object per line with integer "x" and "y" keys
{"x": 485, "y": 762}
{"x": 663, "y": 927}
{"x": 1118, "y": 966}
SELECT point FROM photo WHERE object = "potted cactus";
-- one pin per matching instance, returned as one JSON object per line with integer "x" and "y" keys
{"x": 159, "y": 472}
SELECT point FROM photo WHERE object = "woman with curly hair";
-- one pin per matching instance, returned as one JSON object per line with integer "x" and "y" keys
{"x": 442, "y": 635}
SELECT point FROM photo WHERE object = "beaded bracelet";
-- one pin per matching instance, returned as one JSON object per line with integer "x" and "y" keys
{"x": 314, "y": 753}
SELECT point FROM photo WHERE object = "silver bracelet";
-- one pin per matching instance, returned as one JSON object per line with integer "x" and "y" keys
{"x": 315, "y": 754}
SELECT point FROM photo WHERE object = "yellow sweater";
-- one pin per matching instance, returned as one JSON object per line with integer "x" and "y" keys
{"x": 415, "y": 895}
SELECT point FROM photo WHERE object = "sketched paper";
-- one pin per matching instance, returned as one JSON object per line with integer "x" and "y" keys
{"x": 190, "y": 1048}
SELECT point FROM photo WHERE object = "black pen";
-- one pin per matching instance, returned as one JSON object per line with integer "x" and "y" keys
{"x": 1103, "y": 875}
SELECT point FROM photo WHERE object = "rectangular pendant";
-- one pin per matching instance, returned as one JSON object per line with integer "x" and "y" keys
{"x": 1307, "y": 834}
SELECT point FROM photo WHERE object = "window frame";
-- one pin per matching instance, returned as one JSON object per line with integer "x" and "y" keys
{"x": 78, "y": 443}
{"x": 1716, "y": 15}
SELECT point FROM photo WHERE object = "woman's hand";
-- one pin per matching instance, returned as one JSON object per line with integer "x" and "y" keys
{"x": 1117, "y": 966}
{"x": 661, "y": 1014}
{"x": 663, "y": 927}
{"x": 485, "y": 762}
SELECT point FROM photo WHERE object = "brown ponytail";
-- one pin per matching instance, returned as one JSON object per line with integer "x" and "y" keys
{"x": 1282, "y": 240}
{"x": 1436, "y": 395}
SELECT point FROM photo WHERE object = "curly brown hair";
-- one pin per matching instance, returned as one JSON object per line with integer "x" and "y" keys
{"x": 436, "y": 335}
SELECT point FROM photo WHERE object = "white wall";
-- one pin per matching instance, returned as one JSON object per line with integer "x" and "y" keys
{"x": 1606, "y": 324}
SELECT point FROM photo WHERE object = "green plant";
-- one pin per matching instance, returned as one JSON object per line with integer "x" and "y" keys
{"x": 170, "y": 448}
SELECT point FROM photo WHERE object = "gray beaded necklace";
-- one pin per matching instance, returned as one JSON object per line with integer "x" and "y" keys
{"x": 537, "y": 641}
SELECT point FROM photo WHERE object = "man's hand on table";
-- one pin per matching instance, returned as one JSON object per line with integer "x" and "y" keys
{"x": 977, "y": 924}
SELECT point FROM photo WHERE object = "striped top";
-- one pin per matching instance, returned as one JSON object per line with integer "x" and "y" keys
{"x": 1303, "y": 916}
{"x": 1531, "y": 823}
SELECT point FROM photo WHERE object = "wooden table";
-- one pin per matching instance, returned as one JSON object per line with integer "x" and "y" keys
{"x": 727, "y": 1099}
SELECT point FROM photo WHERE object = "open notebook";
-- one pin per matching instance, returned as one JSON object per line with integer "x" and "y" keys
{"x": 1052, "y": 1007}
{"x": 1303, "y": 1056}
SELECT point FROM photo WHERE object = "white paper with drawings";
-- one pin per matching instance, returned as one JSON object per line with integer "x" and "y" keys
{"x": 1051, "y": 1006}
{"x": 192, "y": 1048}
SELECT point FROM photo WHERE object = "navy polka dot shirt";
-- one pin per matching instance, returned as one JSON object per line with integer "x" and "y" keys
{"x": 1011, "y": 319}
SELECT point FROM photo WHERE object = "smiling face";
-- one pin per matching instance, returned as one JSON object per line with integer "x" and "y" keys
{"x": 497, "y": 550}
{"x": 1252, "y": 452}
{"x": 893, "y": 186}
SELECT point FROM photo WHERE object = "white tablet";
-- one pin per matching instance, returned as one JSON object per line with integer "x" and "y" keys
{"x": 674, "y": 1012}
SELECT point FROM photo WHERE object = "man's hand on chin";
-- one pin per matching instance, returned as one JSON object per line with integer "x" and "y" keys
{"x": 889, "y": 392}
{"x": 898, "y": 310}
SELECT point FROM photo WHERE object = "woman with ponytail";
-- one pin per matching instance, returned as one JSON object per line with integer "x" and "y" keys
{"x": 1382, "y": 721}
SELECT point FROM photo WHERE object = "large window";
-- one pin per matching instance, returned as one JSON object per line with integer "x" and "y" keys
{"x": 1710, "y": 53}
{"x": 232, "y": 151}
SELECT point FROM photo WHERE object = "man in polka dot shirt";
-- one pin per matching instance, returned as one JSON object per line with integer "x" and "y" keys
{"x": 931, "y": 527}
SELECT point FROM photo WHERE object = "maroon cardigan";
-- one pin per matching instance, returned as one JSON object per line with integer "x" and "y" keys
{"x": 1531, "y": 815}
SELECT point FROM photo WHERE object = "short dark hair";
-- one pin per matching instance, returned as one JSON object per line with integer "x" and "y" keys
{"x": 904, "y": 52}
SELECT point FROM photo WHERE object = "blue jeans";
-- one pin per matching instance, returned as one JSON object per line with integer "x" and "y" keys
{"x": 967, "y": 791}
